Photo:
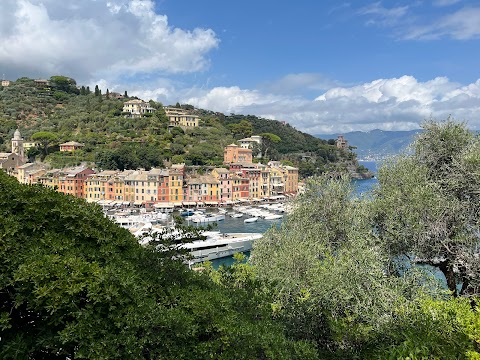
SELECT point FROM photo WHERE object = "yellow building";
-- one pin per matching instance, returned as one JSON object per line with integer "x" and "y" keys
{"x": 51, "y": 179}
{"x": 30, "y": 173}
{"x": 291, "y": 179}
{"x": 176, "y": 182}
{"x": 181, "y": 117}
{"x": 264, "y": 182}
{"x": 236, "y": 187}
{"x": 129, "y": 185}
{"x": 276, "y": 183}
{"x": 98, "y": 187}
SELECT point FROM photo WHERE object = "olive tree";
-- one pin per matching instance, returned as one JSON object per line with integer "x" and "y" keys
{"x": 329, "y": 276}
{"x": 428, "y": 205}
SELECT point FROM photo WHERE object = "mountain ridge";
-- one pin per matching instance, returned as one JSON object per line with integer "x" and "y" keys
{"x": 377, "y": 144}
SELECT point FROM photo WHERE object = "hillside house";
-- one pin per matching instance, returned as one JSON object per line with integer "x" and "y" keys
{"x": 71, "y": 146}
{"x": 181, "y": 117}
{"x": 137, "y": 108}
{"x": 236, "y": 154}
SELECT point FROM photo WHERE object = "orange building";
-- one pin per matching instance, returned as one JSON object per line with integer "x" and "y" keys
{"x": 72, "y": 181}
{"x": 236, "y": 154}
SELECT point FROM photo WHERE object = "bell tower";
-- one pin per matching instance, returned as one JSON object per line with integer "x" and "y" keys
{"x": 17, "y": 145}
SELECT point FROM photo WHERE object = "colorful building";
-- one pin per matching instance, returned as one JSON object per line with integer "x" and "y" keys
{"x": 176, "y": 183}
{"x": 30, "y": 173}
{"x": 71, "y": 181}
{"x": 236, "y": 154}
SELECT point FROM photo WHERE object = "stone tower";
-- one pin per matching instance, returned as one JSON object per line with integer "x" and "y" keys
{"x": 17, "y": 145}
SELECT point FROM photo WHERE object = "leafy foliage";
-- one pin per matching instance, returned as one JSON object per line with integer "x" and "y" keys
{"x": 428, "y": 205}
{"x": 75, "y": 285}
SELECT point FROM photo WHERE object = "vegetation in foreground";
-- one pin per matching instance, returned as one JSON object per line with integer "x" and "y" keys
{"x": 343, "y": 278}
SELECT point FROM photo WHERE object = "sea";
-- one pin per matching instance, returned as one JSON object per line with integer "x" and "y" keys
{"x": 230, "y": 225}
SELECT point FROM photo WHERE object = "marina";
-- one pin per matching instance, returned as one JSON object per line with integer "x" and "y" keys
{"x": 235, "y": 228}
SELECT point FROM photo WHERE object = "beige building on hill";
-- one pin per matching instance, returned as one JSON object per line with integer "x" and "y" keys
{"x": 181, "y": 117}
{"x": 137, "y": 108}
{"x": 71, "y": 146}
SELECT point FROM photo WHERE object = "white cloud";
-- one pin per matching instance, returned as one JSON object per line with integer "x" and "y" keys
{"x": 388, "y": 104}
{"x": 91, "y": 39}
{"x": 378, "y": 14}
{"x": 445, "y": 2}
{"x": 463, "y": 24}
{"x": 230, "y": 99}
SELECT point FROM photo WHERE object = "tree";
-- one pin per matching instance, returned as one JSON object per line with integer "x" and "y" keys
{"x": 243, "y": 129}
{"x": 125, "y": 95}
{"x": 107, "y": 95}
{"x": 73, "y": 284}
{"x": 45, "y": 139}
{"x": 329, "y": 277}
{"x": 268, "y": 139}
{"x": 97, "y": 91}
{"x": 428, "y": 205}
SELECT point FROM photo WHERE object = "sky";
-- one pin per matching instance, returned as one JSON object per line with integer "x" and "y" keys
{"x": 324, "y": 67}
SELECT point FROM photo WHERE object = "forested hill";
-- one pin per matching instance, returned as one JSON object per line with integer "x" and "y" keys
{"x": 61, "y": 111}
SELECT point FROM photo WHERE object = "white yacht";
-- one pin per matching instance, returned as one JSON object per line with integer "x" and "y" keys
{"x": 218, "y": 245}
{"x": 209, "y": 218}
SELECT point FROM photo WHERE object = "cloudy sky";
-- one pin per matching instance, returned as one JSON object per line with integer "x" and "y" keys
{"x": 323, "y": 66}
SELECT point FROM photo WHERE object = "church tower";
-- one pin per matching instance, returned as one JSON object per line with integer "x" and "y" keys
{"x": 17, "y": 145}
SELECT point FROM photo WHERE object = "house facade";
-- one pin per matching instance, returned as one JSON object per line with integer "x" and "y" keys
{"x": 71, "y": 146}
{"x": 137, "y": 108}
{"x": 236, "y": 154}
{"x": 181, "y": 117}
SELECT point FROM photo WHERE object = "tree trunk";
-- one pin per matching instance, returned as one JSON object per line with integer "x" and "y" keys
{"x": 447, "y": 269}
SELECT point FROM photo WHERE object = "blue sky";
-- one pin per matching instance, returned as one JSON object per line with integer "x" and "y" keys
{"x": 323, "y": 66}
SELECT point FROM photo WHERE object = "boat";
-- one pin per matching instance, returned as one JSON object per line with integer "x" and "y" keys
{"x": 208, "y": 218}
{"x": 186, "y": 212}
{"x": 219, "y": 245}
{"x": 215, "y": 245}
{"x": 273, "y": 217}
{"x": 236, "y": 216}
{"x": 250, "y": 220}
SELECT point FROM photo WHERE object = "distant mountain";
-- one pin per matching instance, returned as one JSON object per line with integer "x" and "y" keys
{"x": 377, "y": 144}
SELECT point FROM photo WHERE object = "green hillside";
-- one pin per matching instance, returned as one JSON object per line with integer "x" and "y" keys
{"x": 63, "y": 111}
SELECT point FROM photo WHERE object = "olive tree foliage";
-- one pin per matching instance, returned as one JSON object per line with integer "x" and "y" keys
{"x": 329, "y": 276}
{"x": 428, "y": 205}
